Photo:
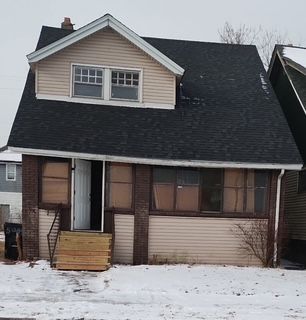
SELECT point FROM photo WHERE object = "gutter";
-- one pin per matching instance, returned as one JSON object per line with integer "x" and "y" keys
{"x": 277, "y": 213}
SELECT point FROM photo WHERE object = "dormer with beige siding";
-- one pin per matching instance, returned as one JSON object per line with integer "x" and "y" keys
{"x": 105, "y": 67}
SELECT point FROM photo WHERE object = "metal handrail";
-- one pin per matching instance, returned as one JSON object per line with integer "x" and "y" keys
{"x": 50, "y": 247}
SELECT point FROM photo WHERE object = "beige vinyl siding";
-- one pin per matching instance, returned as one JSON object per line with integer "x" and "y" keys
{"x": 108, "y": 48}
{"x": 124, "y": 238}
{"x": 196, "y": 240}
{"x": 295, "y": 207}
{"x": 46, "y": 218}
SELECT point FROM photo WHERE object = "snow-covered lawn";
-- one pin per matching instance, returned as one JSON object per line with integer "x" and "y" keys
{"x": 152, "y": 292}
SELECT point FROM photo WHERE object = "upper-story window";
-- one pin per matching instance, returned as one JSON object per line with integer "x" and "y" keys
{"x": 10, "y": 172}
{"x": 88, "y": 82}
{"x": 125, "y": 85}
{"x": 106, "y": 83}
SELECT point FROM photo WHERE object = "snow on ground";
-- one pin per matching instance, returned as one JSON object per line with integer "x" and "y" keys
{"x": 297, "y": 55}
{"x": 152, "y": 292}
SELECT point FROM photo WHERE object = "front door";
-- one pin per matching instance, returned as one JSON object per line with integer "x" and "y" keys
{"x": 82, "y": 190}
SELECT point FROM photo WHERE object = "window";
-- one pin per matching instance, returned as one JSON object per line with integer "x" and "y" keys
{"x": 302, "y": 181}
{"x": 210, "y": 190}
{"x": 55, "y": 182}
{"x": 120, "y": 186}
{"x": 125, "y": 85}
{"x": 87, "y": 82}
{"x": 164, "y": 180}
{"x": 187, "y": 197}
{"x": 10, "y": 172}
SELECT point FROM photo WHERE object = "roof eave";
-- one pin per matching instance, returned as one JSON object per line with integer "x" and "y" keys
{"x": 99, "y": 24}
{"x": 165, "y": 162}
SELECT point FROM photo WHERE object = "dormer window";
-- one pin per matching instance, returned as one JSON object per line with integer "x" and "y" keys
{"x": 88, "y": 82}
{"x": 125, "y": 85}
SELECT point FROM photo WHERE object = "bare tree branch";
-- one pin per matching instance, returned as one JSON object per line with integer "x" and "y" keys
{"x": 265, "y": 40}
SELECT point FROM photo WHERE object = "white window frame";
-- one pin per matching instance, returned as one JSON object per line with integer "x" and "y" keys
{"x": 72, "y": 94}
{"x": 125, "y": 71}
{"x": 106, "y": 83}
{"x": 8, "y": 171}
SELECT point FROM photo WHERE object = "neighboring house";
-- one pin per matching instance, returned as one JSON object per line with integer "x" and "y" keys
{"x": 10, "y": 187}
{"x": 166, "y": 144}
{"x": 288, "y": 77}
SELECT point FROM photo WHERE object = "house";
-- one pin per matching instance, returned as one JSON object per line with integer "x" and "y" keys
{"x": 287, "y": 74}
{"x": 163, "y": 145}
{"x": 10, "y": 188}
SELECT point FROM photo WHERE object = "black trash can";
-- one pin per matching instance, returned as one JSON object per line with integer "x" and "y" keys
{"x": 11, "y": 230}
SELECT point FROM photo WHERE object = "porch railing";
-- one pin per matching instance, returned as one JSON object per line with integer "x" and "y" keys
{"x": 52, "y": 239}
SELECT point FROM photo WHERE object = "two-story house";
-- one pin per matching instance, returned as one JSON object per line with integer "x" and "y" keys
{"x": 10, "y": 188}
{"x": 167, "y": 145}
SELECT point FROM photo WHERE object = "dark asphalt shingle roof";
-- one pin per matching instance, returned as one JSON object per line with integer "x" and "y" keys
{"x": 224, "y": 112}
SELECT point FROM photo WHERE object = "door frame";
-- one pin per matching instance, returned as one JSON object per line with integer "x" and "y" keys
{"x": 73, "y": 194}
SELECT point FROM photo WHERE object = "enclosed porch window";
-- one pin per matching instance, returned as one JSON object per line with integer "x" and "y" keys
{"x": 55, "y": 182}
{"x": 119, "y": 186}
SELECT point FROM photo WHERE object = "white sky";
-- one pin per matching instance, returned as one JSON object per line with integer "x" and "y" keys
{"x": 21, "y": 21}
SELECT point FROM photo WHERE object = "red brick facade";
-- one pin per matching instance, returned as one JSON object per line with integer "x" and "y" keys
{"x": 30, "y": 214}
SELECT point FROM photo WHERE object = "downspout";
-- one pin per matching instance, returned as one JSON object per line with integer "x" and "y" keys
{"x": 103, "y": 196}
{"x": 277, "y": 209}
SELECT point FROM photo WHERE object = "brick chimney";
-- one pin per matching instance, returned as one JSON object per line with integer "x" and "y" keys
{"x": 66, "y": 24}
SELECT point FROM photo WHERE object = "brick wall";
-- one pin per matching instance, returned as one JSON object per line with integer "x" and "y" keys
{"x": 141, "y": 219}
{"x": 30, "y": 185}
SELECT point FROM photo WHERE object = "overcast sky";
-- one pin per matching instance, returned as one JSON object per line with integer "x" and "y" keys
{"x": 21, "y": 21}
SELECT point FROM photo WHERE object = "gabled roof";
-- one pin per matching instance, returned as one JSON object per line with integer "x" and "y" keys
{"x": 226, "y": 113}
{"x": 99, "y": 24}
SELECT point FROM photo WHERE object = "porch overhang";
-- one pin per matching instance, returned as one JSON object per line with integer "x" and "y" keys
{"x": 160, "y": 162}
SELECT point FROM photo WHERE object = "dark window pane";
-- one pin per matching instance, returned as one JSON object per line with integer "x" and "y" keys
{"x": 92, "y": 72}
{"x": 77, "y": 71}
{"x": 260, "y": 200}
{"x": 77, "y": 78}
{"x": 84, "y": 79}
{"x": 261, "y": 178}
{"x": 135, "y": 76}
{"x": 211, "y": 199}
{"x": 164, "y": 175}
{"x": 187, "y": 177}
{"x": 87, "y": 90}
{"x": 128, "y": 93}
{"x": 128, "y": 76}
{"x": 99, "y": 73}
{"x": 211, "y": 177}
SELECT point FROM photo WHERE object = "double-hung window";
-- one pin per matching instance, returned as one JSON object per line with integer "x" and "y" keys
{"x": 10, "y": 172}
{"x": 87, "y": 82}
{"x": 125, "y": 85}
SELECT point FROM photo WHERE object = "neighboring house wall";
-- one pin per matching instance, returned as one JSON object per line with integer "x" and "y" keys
{"x": 10, "y": 193}
{"x": 295, "y": 208}
{"x": 105, "y": 48}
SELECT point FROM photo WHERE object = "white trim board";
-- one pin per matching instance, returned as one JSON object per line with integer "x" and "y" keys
{"x": 162, "y": 162}
{"x": 99, "y": 24}
{"x": 118, "y": 103}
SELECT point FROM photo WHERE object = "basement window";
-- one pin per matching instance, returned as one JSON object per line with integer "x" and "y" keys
{"x": 125, "y": 85}
{"x": 87, "y": 82}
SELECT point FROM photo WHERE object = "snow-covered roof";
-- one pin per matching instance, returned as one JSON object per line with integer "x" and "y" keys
{"x": 10, "y": 156}
{"x": 297, "y": 55}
